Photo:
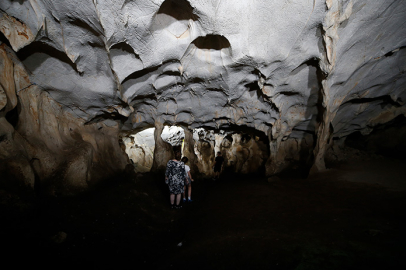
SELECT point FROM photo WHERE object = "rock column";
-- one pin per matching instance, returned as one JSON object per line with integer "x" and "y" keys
{"x": 188, "y": 150}
{"x": 163, "y": 151}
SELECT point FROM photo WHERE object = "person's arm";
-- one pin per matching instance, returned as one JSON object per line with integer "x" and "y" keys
{"x": 185, "y": 175}
{"x": 166, "y": 174}
{"x": 190, "y": 176}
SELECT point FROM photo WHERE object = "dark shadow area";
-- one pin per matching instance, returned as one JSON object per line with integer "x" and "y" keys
{"x": 105, "y": 116}
{"x": 196, "y": 80}
{"x": 254, "y": 88}
{"x": 212, "y": 42}
{"x": 316, "y": 94}
{"x": 387, "y": 139}
{"x": 178, "y": 9}
{"x": 124, "y": 47}
{"x": 147, "y": 99}
{"x": 394, "y": 51}
{"x": 245, "y": 131}
{"x": 12, "y": 116}
{"x": 35, "y": 163}
{"x": 84, "y": 25}
{"x": 144, "y": 72}
{"x": 312, "y": 117}
{"x": 174, "y": 11}
{"x": 169, "y": 73}
{"x": 4, "y": 40}
{"x": 385, "y": 100}
{"x": 20, "y": 1}
{"x": 248, "y": 155}
{"x": 238, "y": 222}
{"x": 289, "y": 94}
{"x": 38, "y": 47}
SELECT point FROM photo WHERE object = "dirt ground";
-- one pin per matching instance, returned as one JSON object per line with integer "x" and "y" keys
{"x": 351, "y": 216}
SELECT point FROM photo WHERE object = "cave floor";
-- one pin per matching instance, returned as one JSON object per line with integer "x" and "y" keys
{"x": 344, "y": 218}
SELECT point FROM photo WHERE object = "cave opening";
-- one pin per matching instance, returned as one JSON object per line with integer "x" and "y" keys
{"x": 140, "y": 148}
{"x": 244, "y": 151}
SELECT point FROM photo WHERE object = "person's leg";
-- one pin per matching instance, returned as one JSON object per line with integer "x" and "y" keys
{"x": 184, "y": 193}
{"x": 189, "y": 193}
{"x": 178, "y": 196}
{"x": 172, "y": 198}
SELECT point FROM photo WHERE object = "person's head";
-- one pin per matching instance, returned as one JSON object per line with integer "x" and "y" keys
{"x": 184, "y": 160}
{"x": 219, "y": 153}
{"x": 178, "y": 155}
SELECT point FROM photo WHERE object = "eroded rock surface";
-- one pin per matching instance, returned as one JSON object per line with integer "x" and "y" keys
{"x": 44, "y": 146}
{"x": 301, "y": 72}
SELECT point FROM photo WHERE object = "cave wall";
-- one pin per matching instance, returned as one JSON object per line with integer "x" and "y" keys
{"x": 243, "y": 153}
{"x": 46, "y": 147}
{"x": 304, "y": 73}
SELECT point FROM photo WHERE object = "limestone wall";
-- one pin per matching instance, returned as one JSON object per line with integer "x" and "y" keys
{"x": 44, "y": 145}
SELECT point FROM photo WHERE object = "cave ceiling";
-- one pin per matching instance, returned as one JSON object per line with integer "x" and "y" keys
{"x": 217, "y": 64}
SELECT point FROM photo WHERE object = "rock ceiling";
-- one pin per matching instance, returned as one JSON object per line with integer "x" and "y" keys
{"x": 285, "y": 68}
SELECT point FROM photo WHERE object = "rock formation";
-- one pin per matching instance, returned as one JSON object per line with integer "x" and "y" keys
{"x": 76, "y": 76}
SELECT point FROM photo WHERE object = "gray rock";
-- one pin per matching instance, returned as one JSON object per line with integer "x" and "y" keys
{"x": 285, "y": 69}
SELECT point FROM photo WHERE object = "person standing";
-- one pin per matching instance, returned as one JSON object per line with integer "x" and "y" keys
{"x": 189, "y": 182}
{"x": 218, "y": 166}
{"x": 175, "y": 178}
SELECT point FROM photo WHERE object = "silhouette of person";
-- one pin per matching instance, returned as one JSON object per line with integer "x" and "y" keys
{"x": 175, "y": 177}
{"x": 189, "y": 182}
{"x": 218, "y": 166}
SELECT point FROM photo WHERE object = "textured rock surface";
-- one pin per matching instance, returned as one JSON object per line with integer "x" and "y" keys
{"x": 293, "y": 70}
{"x": 140, "y": 149}
{"x": 43, "y": 146}
{"x": 244, "y": 154}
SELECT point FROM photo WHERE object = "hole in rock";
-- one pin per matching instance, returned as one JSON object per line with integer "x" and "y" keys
{"x": 175, "y": 16}
{"x": 178, "y": 9}
{"x": 3, "y": 39}
{"x": 12, "y": 116}
{"x": 214, "y": 42}
{"x": 208, "y": 52}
